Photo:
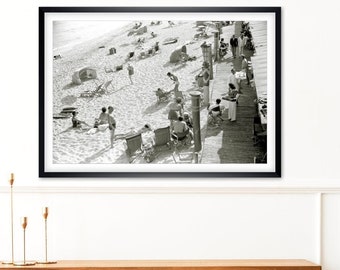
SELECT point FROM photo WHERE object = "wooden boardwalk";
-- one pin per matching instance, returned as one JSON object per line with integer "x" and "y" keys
{"x": 232, "y": 142}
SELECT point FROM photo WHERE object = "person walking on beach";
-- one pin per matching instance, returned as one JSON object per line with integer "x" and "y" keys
{"x": 130, "y": 72}
{"x": 175, "y": 80}
{"x": 234, "y": 45}
{"x": 112, "y": 125}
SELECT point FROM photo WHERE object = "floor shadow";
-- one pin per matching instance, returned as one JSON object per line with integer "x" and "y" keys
{"x": 212, "y": 131}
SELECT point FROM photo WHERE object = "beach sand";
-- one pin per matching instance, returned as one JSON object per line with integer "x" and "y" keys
{"x": 135, "y": 104}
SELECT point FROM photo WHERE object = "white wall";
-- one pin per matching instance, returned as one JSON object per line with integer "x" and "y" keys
{"x": 297, "y": 216}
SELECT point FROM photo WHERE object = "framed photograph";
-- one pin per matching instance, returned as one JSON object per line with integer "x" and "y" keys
{"x": 155, "y": 92}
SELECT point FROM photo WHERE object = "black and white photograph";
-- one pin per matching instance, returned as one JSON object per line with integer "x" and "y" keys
{"x": 147, "y": 92}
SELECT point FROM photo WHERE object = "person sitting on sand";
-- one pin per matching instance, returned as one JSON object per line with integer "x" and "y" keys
{"x": 130, "y": 55}
{"x": 137, "y": 25}
{"x": 188, "y": 120}
{"x": 103, "y": 117}
{"x": 181, "y": 129}
{"x": 76, "y": 123}
{"x": 215, "y": 111}
{"x": 101, "y": 123}
{"x": 156, "y": 47}
{"x": 153, "y": 35}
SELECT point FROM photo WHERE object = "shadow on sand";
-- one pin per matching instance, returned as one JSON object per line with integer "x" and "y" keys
{"x": 95, "y": 155}
{"x": 69, "y": 86}
{"x": 155, "y": 107}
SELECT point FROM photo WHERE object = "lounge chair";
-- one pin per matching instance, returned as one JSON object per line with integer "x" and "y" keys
{"x": 259, "y": 134}
{"x": 134, "y": 147}
{"x": 104, "y": 88}
{"x": 100, "y": 90}
{"x": 92, "y": 93}
{"x": 162, "y": 136}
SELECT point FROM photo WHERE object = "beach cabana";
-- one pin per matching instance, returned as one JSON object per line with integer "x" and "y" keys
{"x": 112, "y": 51}
{"x": 177, "y": 54}
{"x": 83, "y": 74}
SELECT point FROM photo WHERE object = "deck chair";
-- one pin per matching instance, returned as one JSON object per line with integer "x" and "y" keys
{"x": 92, "y": 93}
{"x": 104, "y": 87}
{"x": 259, "y": 135}
{"x": 134, "y": 146}
{"x": 162, "y": 136}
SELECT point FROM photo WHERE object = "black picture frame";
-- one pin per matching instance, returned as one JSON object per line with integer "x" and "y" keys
{"x": 149, "y": 173}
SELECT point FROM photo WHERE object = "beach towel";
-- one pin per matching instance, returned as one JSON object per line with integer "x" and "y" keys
{"x": 170, "y": 41}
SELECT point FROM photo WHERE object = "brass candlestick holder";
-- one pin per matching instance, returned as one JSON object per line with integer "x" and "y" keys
{"x": 24, "y": 262}
{"x": 11, "y": 182}
{"x": 45, "y": 215}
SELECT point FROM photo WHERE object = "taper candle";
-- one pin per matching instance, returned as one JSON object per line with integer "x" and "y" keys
{"x": 45, "y": 212}
{"x": 11, "y": 182}
{"x": 45, "y": 215}
{"x": 24, "y": 222}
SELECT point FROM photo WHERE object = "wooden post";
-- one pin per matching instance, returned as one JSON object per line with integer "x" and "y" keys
{"x": 207, "y": 57}
{"x": 216, "y": 45}
{"x": 195, "y": 107}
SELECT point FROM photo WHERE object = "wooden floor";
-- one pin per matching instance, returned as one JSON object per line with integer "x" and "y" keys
{"x": 232, "y": 142}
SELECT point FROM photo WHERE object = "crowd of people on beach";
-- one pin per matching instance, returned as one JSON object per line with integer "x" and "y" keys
{"x": 104, "y": 121}
{"x": 180, "y": 121}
